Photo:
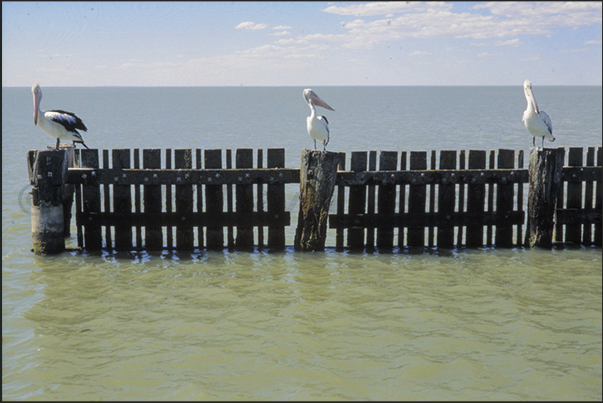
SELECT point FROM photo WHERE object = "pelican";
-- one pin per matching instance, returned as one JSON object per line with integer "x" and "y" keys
{"x": 318, "y": 126}
{"x": 56, "y": 123}
{"x": 535, "y": 120}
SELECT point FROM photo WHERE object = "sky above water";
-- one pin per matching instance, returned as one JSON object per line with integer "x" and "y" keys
{"x": 300, "y": 43}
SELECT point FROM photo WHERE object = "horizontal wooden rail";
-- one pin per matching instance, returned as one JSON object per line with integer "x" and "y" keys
{"x": 94, "y": 176}
{"x": 90, "y": 176}
{"x": 175, "y": 219}
{"x": 427, "y": 219}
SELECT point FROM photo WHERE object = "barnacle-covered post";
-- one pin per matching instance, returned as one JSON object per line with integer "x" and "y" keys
{"x": 48, "y": 176}
{"x": 544, "y": 180}
{"x": 318, "y": 174}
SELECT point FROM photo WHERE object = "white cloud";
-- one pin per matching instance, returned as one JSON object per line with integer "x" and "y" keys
{"x": 281, "y": 33}
{"x": 510, "y": 42}
{"x": 419, "y": 53}
{"x": 279, "y": 27}
{"x": 531, "y": 58}
{"x": 581, "y": 50}
{"x": 485, "y": 54}
{"x": 388, "y": 8}
{"x": 251, "y": 26}
{"x": 437, "y": 19}
{"x": 593, "y": 42}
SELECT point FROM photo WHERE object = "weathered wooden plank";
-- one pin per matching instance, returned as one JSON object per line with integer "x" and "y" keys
{"x": 68, "y": 189}
{"x": 579, "y": 216}
{"x": 588, "y": 197}
{"x": 137, "y": 201}
{"x": 169, "y": 202}
{"x": 461, "y": 198}
{"x": 446, "y": 200}
{"x": 229, "y": 199}
{"x": 199, "y": 189}
{"x": 559, "y": 233}
{"x": 341, "y": 189}
{"x": 431, "y": 202}
{"x": 426, "y": 177}
{"x": 416, "y": 199}
{"x": 504, "y": 201}
{"x": 106, "y": 200}
{"x": 370, "y": 207}
{"x": 402, "y": 201}
{"x": 520, "y": 203}
{"x": 207, "y": 219}
{"x": 386, "y": 203}
{"x": 413, "y": 221}
{"x": 122, "y": 201}
{"x": 260, "y": 198}
{"x": 276, "y": 199}
{"x": 244, "y": 199}
{"x": 598, "y": 198}
{"x": 78, "y": 208}
{"x": 214, "y": 201}
{"x": 573, "y": 232}
{"x": 476, "y": 194}
{"x": 490, "y": 207}
{"x": 291, "y": 175}
{"x": 91, "y": 203}
{"x": 183, "y": 159}
{"x": 357, "y": 200}
{"x": 151, "y": 158}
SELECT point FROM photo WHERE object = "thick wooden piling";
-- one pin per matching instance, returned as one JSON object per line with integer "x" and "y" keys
{"x": 544, "y": 178}
{"x": 317, "y": 181}
{"x": 47, "y": 174}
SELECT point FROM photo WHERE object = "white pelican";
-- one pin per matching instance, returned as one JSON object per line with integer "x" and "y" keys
{"x": 318, "y": 126}
{"x": 536, "y": 121}
{"x": 56, "y": 123}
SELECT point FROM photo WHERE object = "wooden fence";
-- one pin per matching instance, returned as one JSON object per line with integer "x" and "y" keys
{"x": 469, "y": 199}
{"x": 185, "y": 199}
{"x": 146, "y": 206}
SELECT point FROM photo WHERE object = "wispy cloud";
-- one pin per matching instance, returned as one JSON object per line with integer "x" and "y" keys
{"x": 383, "y": 8}
{"x": 593, "y": 42}
{"x": 510, "y": 42}
{"x": 419, "y": 53}
{"x": 438, "y": 19}
{"x": 251, "y": 26}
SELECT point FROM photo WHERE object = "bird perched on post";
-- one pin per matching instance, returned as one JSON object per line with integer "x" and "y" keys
{"x": 318, "y": 126}
{"x": 57, "y": 123}
{"x": 535, "y": 120}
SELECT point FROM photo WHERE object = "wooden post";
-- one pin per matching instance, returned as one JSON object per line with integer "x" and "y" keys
{"x": 544, "y": 178}
{"x": 68, "y": 190}
{"x": 47, "y": 174}
{"x": 318, "y": 174}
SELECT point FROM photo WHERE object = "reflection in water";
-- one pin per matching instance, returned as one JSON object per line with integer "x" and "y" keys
{"x": 512, "y": 324}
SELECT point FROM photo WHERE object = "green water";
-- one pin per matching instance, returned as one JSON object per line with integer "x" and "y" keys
{"x": 491, "y": 324}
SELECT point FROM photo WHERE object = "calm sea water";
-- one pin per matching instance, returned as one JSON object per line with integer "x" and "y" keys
{"x": 422, "y": 324}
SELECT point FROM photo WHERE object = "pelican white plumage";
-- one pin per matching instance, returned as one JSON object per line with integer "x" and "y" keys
{"x": 59, "y": 124}
{"x": 535, "y": 120}
{"x": 318, "y": 126}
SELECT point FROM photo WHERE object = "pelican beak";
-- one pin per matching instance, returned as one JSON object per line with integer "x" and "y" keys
{"x": 530, "y": 95}
{"x": 316, "y": 100}
{"x": 36, "y": 107}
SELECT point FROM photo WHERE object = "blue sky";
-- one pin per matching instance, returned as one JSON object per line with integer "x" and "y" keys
{"x": 300, "y": 43}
